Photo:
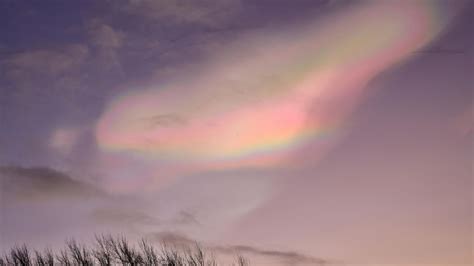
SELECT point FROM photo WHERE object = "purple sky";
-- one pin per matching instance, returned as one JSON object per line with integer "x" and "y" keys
{"x": 291, "y": 131}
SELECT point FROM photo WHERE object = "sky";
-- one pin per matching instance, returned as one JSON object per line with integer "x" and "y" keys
{"x": 303, "y": 132}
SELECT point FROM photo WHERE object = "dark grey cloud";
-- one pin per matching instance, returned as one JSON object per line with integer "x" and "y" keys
{"x": 42, "y": 206}
{"x": 123, "y": 216}
{"x": 285, "y": 257}
{"x": 185, "y": 218}
{"x": 170, "y": 238}
{"x": 36, "y": 183}
{"x": 281, "y": 257}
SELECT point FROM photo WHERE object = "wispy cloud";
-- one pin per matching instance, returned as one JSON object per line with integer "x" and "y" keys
{"x": 123, "y": 216}
{"x": 36, "y": 183}
{"x": 255, "y": 254}
{"x": 208, "y": 13}
{"x": 107, "y": 42}
{"x": 50, "y": 62}
{"x": 170, "y": 237}
{"x": 285, "y": 257}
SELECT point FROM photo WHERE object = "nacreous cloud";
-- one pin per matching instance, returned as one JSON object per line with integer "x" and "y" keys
{"x": 270, "y": 92}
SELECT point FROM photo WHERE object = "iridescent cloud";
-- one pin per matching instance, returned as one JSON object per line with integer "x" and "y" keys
{"x": 271, "y": 92}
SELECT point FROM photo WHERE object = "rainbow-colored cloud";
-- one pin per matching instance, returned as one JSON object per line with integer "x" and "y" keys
{"x": 271, "y": 92}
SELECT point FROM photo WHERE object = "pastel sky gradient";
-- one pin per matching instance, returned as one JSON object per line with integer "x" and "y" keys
{"x": 304, "y": 131}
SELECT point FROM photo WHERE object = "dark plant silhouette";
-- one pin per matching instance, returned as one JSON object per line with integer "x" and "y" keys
{"x": 79, "y": 253}
{"x": 63, "y": 258}
{"x": 149, "y": 254}
{"x": 103, "y": 252}
{"x": 125, "y": 253}
{"x": 109, "y": 250}
{"x": 20, "y": 256}
{"x": 44, "y": 259}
